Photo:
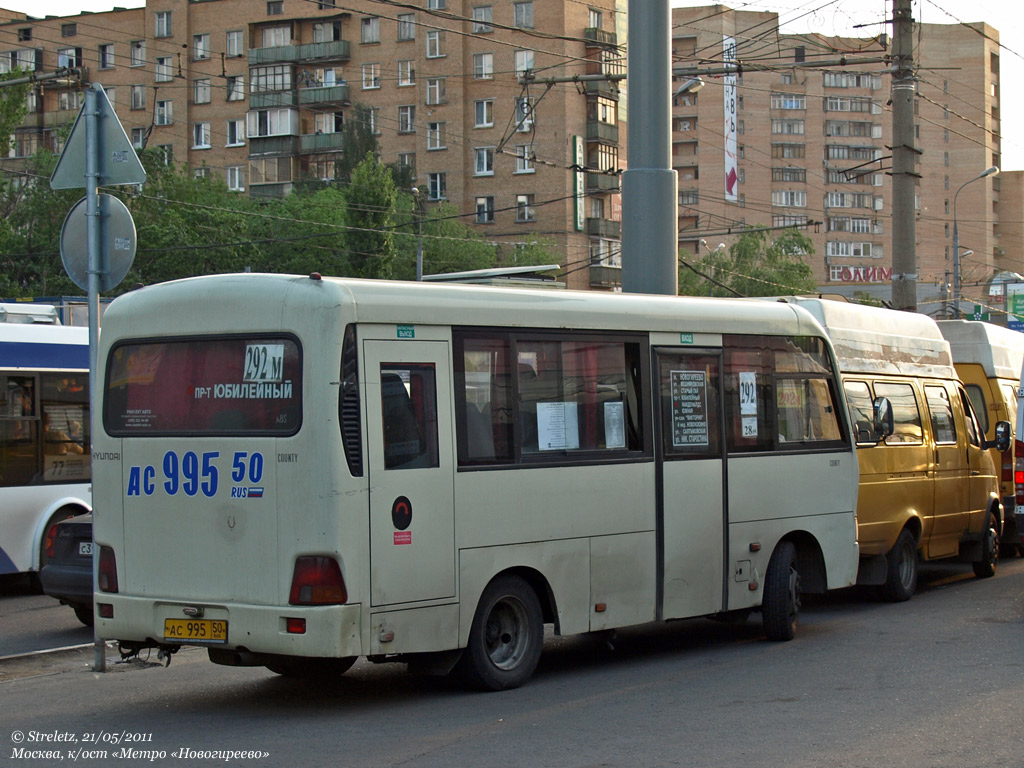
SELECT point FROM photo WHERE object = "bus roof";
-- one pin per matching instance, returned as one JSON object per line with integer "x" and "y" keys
{"x": 43, "y": 347}
{"x": 45, "y": 314}
{"x": 999, "y": 351}
{"x": 877, "y": 340}
{"x": 218, "y": 302}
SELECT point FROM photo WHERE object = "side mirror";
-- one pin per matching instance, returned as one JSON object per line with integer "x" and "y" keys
{"x": 883, "y": 418}
{"x": 1002, "y": 441}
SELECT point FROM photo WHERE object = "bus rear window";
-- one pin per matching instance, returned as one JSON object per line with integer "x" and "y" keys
{"x": 239, "y": 385}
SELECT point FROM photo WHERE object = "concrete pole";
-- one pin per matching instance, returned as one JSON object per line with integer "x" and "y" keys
{"x": 904, "y": 153}
{"x": 92, "y": 221}
{"x": 650, "y": 229}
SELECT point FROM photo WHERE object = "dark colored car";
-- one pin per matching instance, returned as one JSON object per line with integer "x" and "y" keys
{"x": 67, "y": 574}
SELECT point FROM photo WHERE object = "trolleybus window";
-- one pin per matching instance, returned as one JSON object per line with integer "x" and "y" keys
{"x": 205, "y": 386}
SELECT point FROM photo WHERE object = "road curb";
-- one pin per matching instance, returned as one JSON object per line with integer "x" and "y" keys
{"x": 48, "y": 661}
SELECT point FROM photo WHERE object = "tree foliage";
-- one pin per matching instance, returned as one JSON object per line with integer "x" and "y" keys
{"x": 753, "y": 266}
{"x": 13, "y": 104}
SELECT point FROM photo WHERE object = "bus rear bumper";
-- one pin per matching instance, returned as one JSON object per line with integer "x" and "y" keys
{"x": 285, "y": 630}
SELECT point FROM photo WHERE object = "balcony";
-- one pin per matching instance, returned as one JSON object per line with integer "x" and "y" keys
{"x": 599, "y": 38}
{"x": 603, "y": 132}
{"x": 606, "y": 228}
{"x": 329, "y": 94}
{"x": 273, "y": 145}
{"x": 314, "y": 143}
{"x": 278, "y": 189}
{"x": 602, "y": 182}
{"x": 337, "y": 50}
{"x": 606, "y": 88}
{"x": 272, "y": 99}
{"x": 602, "y": 276}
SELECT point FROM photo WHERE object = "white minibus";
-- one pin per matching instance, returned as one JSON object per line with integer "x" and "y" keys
{"x": 299, "y": 471}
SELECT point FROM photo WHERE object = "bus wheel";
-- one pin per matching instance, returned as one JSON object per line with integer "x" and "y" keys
{"x": 901, "y": 569}
{"x": 312, "y": 669}
{"x": 986, "y": 566}
{"x": 780, "y": 608}
{"x": 505, "y": 638}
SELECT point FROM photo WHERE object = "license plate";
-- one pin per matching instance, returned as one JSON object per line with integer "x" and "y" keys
{"x": 85, "y": 548}
{"x": 199, "y": 631}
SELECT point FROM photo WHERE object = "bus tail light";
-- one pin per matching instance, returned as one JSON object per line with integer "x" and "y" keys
{"x": 1018, "y": 472}
{"x": 317, "y": 580}
{"x": 107, "y": 570}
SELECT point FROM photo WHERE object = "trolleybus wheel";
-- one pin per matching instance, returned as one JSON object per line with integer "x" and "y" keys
{"x": 781, "y": 607}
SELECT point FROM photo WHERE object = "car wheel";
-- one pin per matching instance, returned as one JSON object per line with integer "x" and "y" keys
{"x": 986, "y": 566}
{"x": 85, "y": 614}
{"x": 506, "y": 636}
{"x": 901, "y": 569}
{"x": 780, "y": 609}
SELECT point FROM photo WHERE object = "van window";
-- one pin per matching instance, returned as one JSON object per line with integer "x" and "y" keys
{"x": 1010, "y": 396}
{"x": 905, "y": 413}
{"x": 943, "y": 425}
{"x": 971, "y": 419}
{"x": 862, "y": 412}
{"x": 977, "y": 396}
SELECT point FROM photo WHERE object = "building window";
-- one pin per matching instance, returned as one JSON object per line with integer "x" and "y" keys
{"x": 437, "y": 186}
{"x": 235, "y": 178}
{"x": 483, "y": 66}
{"x": 789, "y": 127}
{"x": 24, "y": 34}
{"x": 234, "y": 44}
{"x": 270, "y": 170}
{"x": 275, "y": 7}
{"x": 789, "y": 198}
{"x": 789, "y": 174}
{"x": 164, "y": 113}
{"x": 406, "y": 26}
{"x": 275, "y": 37}
{"x": 271, "y": 122}
{"x": 163, "y": 24}
{"x": 164, "y": 69}
{"x": 524, "y": 208}
{"x": 370, "y": 30}
{"x": 138, "y": 53}
{"x": 68, "y": 30}
{"x": 329, "y": 122}
{"x": 407, "y": 119}
{"x": 106, "y": 56}
{"x": 788, "y": 150}
{"x": 167, "y": 153}
{"x": 522, "y": 14}
{"x": 436, "y": 5}
{"x": 323, "y": 5}
{"x": 482, "y": 18}
{"x": 485, "y": 210}
{"x": 406, "y": 73}
{"x": 524, "y": 158}
{"x": 201, "y": 90}
{"x": 524, "y": 62}
{"x": 139, "y": 138}
{"x": 524, "y": 114}
{"x": 201, "y": 136}
{"x": 236, "y": 133}
{"x": 435, "y": 39}
{"x": 275, "y": 78}
{"x": 70, "y": 100}
{"x": 436, "y": 136}
{"x": 201, "y": 173}
{"x": 436, "y": 90}
{"x": 69, "y": 57}
{"x": 408, "y": 160}
{"x": 788, "y": 101}
{"x": 595, "y": 18}
{"x": 200, "y": 47}
{"x": 484, "y": 109}
{"x": 371, "y": 76}
{"x": 138, "y": 97}
{"x": 484, "y": 161}
{"x": 236, "y": 87}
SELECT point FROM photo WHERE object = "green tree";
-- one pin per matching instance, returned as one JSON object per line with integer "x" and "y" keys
{"x": 13, "y": 104}
{"x": 754, "y": 266}
{"x": 370, "y": 199}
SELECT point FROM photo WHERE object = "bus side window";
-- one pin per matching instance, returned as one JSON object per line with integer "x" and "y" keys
{"x": 409, "y": 416}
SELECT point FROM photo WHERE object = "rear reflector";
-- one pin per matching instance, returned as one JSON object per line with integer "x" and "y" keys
{"x": 295, "y": 626}
{"x": 317, "y": 580}
{"x": 106, "y": 610}
{"x": 108, "y": 570}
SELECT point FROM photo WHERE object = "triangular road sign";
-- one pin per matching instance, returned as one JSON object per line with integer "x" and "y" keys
{"x": 118, "y": 163}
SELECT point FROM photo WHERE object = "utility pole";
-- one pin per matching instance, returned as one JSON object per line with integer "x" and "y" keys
{"x": 904, "y": 155}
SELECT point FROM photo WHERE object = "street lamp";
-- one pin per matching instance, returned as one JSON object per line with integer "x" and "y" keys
{"x": 719, "y": 247}
{"x": 991, "y": 171}
{"x": 419, "y": 232}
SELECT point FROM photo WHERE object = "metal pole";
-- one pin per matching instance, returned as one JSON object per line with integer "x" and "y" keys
{"x": 990, "y": 171}
{"x": 650, "y": 236}
{"x": 904, "y": 153}
{"x": 419, "y": 241}
{"x": 92, "y": 214}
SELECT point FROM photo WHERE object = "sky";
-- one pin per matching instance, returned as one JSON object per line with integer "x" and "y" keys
{"x": 826, "y": 17}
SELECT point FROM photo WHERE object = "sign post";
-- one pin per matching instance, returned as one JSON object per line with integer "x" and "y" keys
{"x": 97, "y": 152}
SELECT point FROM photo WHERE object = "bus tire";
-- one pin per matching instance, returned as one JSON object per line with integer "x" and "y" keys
{"x": 986, "y": 566}
{"x": 780, "y": 609}
{"x": 506, "y": 636}
{"x": 312, "y": 669}
{"x": 901, "y": 569}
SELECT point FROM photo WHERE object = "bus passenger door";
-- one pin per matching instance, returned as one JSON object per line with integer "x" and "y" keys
{"x": 409, "y": 436}
{"x": 692, "y": 520}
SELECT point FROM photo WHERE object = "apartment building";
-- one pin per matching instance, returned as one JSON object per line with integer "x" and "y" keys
{"x": 257, "y": 92}
{"x": 797, "y": 139}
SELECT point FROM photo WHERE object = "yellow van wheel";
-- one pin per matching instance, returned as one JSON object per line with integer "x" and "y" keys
{"x": 901, "y": 571}
{"x": 986, "y": 566}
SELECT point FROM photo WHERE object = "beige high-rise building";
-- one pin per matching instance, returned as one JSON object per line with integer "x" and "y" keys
{"x": 257, "y": 92}
{"x": 813, "y": 144}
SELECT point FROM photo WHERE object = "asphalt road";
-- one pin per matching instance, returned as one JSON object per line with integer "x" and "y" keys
{"x": 936, "y": 682}
{"x": 30, "y": 621}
